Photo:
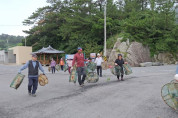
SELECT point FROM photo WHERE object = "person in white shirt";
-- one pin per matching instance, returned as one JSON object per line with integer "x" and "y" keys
{"x": 98, "y": 62}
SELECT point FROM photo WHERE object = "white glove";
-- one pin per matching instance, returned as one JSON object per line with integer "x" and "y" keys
{"x": 72, "y": 68}
{"x": 176, "y": 77}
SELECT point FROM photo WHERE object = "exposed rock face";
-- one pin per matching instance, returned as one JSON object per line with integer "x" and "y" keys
{"x": 134, "y": 53}
{"x": 166, "y": 58}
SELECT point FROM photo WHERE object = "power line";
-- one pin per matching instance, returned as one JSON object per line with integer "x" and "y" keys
{"x": 11, "y": 25}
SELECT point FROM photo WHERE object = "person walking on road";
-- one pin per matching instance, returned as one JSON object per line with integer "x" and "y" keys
{"x": 53, "y": 64}
{"x": 33, "y": 68}
{"x": 79, "y": 60}
{"x": 98, "y": 62}
{"x": 119, "y": 67}
{"x": 62, "y": 64}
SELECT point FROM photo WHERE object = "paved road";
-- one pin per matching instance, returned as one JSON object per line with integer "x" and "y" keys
{"x": 137, "y": 97}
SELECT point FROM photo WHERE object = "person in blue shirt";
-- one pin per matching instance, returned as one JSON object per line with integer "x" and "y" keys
{"x": 33, "y": 67}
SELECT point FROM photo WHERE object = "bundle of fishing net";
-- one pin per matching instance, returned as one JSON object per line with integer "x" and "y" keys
{"x": 92, "y": 77}
{"x": 115, "y": 70}
{"x": 105, "y": 65}
{"x": 127, "y": 69}
{"x": 57, "y": 67}
{"x": 17, "y": 81}
{"x": 73, "y": 75}
{"x": 42, "y": 79}
{"x": 91, "y": 66}
{"x": 49, "y": 68}
{"x": 65, "y": 67}
{"x": 169, "y": 93}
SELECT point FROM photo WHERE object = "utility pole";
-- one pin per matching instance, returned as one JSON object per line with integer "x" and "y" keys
{"x": 25, "y": 42}
{"x": 105, "y": 4}
{"x": 7, "y": 44}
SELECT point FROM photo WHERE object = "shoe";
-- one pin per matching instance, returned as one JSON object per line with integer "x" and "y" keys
{"x": 34, "y": 95}
{"x": 122, "y": 79}
{"x": 29, "y": 93}
{"x": 81, "y": 85}
{"x": 100, "y": 75}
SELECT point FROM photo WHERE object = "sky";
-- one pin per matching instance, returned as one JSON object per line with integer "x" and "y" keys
{"x": 14, "y": 12}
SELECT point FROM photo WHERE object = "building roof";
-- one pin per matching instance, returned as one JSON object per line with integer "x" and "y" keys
{"x": 48, "y": 50}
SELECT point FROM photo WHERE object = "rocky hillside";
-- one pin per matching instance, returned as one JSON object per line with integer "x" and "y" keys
{"x": 135, "y": 53}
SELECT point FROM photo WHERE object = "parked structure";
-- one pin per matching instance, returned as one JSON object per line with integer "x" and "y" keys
{"x": 17, "y": 55}
{"x": 45, "y": 55}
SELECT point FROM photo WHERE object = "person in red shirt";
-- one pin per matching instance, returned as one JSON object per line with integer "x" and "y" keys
{"x": 79, "y": 60}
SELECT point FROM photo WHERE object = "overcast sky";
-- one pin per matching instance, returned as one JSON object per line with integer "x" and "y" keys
{"x": 13, "y": 13}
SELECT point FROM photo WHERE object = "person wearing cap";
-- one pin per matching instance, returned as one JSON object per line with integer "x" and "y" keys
{"x": 119, "y": 67}
{"x": 98, "y": 62}
{"x": 33, "y": 67}
{"x": 80, "y": 63}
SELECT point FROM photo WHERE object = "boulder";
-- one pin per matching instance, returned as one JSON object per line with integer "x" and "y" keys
{"x": 146, "y": 64}
{"x": 137, "y": 53}
{"x": 157, "y": 64}
{"x": 165, "y": 58}
{"x": 134, "y": 53}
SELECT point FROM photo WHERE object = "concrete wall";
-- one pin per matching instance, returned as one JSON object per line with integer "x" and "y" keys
{"x": 23, "y": 54}
{"x": 11, "y": 57}
{"x": 2, "y": 56}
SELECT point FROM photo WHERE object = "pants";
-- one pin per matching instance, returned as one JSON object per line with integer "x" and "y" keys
{"x": 99, "y": 70}
{"x": 81, "y": 71}
{"x": 119, "y": 71}
{"x": 53, "y": 69}
{"x": 32, "y": 84}
{"x": 62, "y": 67}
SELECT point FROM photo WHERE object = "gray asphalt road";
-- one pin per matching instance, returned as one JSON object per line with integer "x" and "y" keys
{"x": 137, "y": 97}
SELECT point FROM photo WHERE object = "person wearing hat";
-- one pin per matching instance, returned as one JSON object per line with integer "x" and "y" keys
{"x": 119, "y": 67}
{"x": 98, "y": 62}
{"x": 33, "y": 67}
{"x": 80, "y": 63}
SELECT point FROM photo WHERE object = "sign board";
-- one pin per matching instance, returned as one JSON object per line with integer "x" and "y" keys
{"x": 69, "y": 56}
{"x": 92, "y": 55}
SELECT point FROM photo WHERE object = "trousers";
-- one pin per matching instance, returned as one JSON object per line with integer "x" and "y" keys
{"x": 81, "y": 71}
{"x": 32, "y": 84}
{"x": 99, "y": 70}
{"x": 53, "y": 69}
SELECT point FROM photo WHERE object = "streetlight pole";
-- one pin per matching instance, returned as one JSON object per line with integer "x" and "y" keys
{"x": 7, "y": 44}
{"x": 105, "y": 4}
{"x": 25, "y": 42}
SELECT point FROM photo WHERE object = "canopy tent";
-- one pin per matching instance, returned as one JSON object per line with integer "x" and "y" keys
{"x": 45, "y": 54}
